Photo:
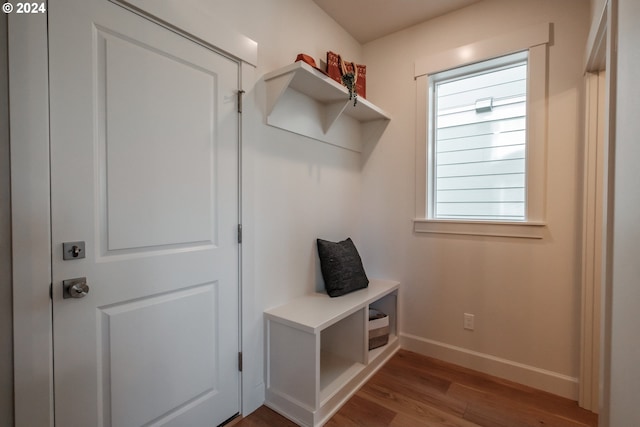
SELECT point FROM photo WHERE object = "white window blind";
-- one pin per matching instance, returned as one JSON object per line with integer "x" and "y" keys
{"x": 479, "y": 137}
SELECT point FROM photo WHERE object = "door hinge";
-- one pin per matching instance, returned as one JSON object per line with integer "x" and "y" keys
{"x": 51, "y": 291}
{"x": 240, "y": 361}
{"x": 240, "y": 93}
{"x": 239, "y": 233}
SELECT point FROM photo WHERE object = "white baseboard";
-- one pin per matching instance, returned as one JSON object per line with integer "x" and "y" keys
{"x": 542, "y": 379}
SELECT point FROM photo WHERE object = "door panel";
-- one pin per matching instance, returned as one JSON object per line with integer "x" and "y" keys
{"x": 182, "y": 362}
{"x": 149, "y": 132}
{"x": 144, "y": 169}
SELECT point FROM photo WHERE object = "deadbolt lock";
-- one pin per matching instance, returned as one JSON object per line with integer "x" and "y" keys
{"x": 73, "y": 250}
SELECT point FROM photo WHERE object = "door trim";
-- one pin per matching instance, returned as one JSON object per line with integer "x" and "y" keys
{"x": 592, "y": 234}
{"x": 227, "y": 40}
{"x": 31, "y": 225}
{"x": 30, "y": 220}
{"x": 597, "y": 222}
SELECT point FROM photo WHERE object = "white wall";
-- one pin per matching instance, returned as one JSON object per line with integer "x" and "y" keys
{"x": 623, "y": 370}
{"x": 525, "y": 294}
{"x": 294, "y": 189}
{"x": 298, "y": 188}
{"x": 6, "y": 336}
{"x": 596, "y": 7}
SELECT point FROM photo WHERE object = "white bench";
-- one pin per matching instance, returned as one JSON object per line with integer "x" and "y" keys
{"x": 317, "y": 350}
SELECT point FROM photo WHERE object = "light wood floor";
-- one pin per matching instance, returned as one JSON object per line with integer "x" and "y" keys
{"x": 415, "y": 391}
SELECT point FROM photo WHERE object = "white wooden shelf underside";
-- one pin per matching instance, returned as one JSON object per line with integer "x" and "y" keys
{"x": 303, "y": 100}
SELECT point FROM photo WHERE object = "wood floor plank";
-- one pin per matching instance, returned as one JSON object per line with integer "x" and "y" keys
{"x": 359, "y": 411}
{"x": 508, "y": 398}
{"x": 406, "y": 404}
{"x": 420, "y": 391}
{"x": 493, "y": 413}
{"x": 412, "y": 390}
{"x": 404, "y": 420}
{"x": 414, "y": 372}
{"x": 496, "y": 387}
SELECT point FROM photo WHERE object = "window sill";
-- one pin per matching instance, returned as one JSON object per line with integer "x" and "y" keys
{"x": 522, "y": 230}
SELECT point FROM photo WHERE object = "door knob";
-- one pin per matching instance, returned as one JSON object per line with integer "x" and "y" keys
{"x": 75, "y": 288}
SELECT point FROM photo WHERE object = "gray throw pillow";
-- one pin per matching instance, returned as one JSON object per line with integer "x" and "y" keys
{"x": 341, "y": 267}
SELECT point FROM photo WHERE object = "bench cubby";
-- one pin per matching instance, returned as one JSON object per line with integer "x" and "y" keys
{"x": 317, "y": 350}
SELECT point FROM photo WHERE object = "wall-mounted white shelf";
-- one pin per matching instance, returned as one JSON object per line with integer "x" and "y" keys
{"x": 303, "y": 100}
{"x": 317, "y": 350}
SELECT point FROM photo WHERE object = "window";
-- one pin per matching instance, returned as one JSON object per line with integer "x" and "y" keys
{"x": 481, "y": 137}
{"x": 479, "y": 140}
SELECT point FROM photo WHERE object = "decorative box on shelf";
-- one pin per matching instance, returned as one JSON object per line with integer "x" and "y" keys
{"x": 378, "y": 328}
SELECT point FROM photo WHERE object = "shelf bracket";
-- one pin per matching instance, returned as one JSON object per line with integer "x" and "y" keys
{"x": 373, "y": 130}
{"x": 276, "y": 88}
{"x": 331, "y": 114}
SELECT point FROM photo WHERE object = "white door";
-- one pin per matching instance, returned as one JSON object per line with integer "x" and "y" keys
{"x": 144, "y": 170}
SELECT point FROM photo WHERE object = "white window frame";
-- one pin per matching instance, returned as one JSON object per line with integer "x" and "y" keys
{"x": 452, "y": 77}
{"x": 534, "y": 40}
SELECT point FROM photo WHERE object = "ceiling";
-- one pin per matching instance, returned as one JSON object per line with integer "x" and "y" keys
{"x": 368, "y": 20}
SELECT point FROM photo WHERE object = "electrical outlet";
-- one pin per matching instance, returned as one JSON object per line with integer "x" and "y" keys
{"x": 469, "y": 321}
